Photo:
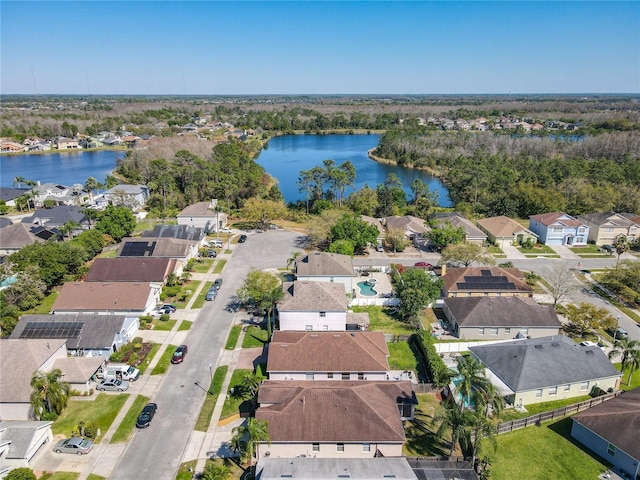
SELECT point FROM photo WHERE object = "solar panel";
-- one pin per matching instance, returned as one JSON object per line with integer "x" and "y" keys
{"x": 138, "y": 249}
{"x": 52, "y": 330}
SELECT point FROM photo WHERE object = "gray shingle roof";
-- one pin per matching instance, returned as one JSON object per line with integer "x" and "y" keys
{"x": 57, "y": 216}
{"x": 325, "y": 264}
{"x": 313, "y": 297}
{"x": 20, "y": 435}
{"x": 544, "y": 362}
{"x": 501, "y": 312}
{"x": 183, "y": 232}
{"x": 332, "y": 468}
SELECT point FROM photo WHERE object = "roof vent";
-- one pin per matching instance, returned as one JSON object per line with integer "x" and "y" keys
{"x": 589, "y": 352}
{"x": 539, "y": 347}
{"x": 284, "y": 345}
{"x": 390, "y": 475}
{"x": 555, "y": 344}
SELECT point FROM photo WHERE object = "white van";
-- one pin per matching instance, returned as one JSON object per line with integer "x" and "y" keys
{"x": 121, "y": 371}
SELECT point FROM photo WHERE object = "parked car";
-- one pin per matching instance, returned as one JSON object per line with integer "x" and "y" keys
{"x": 610, "y": 249}
{"x": 621, "y": 333}
{"x": 211, "y": 294}
{"x": 113, "y": 384}
{"x": 379, "y": 248}
{"x": 146, "y": 415}
{"x": 179, "y": 354}
{"x": 225, "y": 229}
{"x": 242, "y": 239}
{"x": 168, "y": 306}
{"x": 210, "y": 253}
{"x": 162, "y": 311}
{"x": 216, "y": 242}
{"x": 217, "y": 283}
{"x": 423, "y": 265}
{"x": 77, "y": 445}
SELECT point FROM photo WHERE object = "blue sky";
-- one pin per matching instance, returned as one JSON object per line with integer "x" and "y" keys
{"x": 202, "y": 47}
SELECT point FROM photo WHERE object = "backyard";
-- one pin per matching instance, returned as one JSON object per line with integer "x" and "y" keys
{"x": 382, "y": 319}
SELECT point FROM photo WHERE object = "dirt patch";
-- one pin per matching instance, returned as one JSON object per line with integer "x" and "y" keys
{"x": 142, "y": 354}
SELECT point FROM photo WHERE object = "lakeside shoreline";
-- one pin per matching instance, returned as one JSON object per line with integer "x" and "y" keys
{"x": 67, "y": 150}
{"x": 386, "y": 161}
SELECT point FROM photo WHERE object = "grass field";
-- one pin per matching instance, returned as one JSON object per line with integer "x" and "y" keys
{"x": 186, "y": 292}
{"x": 185, "y": 325}
{"x": 129, "y": 422}
{"x": 203, "y": 266}
{"x": 219, "y": 266}
{"x": 534, "y": 409}
{"x": 254, "y": 337}
{"x": 93, "y": 476}
{"x": 232, "y": 405}
{"x": 45, "y": 307}
{"x": 60, "y": 476}
{"x": 163, "y": 326}
{"x": 381, "y": 320}
{"x": 204, "y": 417}
{"x": 101, "y": 411}
{"x": 186, "y": 470}
{"x": 232, "y": 341}
{"x": 165, "y": 361}
{"x": 401, "y": 357}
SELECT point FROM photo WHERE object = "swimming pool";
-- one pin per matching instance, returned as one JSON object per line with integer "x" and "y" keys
{"x": 468, "y": 402}
{"x": 366, "y": 289}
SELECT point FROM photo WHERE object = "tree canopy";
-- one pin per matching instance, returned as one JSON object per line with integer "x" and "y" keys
{"x": 352, "y": 228}
{"x": 118, "y": 222}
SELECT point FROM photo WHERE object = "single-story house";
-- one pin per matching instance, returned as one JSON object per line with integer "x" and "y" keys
{"x": 317, "y": 306}
{"x": 182, "y": 250}
{"x": 335, "y": 419}
{"x": 57, "y": 216}
{"x": 328, "y": 356}
{"x": 559, "y": 228}
{"x": 203, "y": 215}
{"x": 503, "y": 231}
{"x": 20, "y": 441}
{"x": 19, "y": 360}
{"x": 544, "y": 369}
{"x": 112, "y": 298}
{"x": 133, "y": 197}
{"x": 80, "y": 372}
{"x": 133, "y": 269}
{"x": 182, "y": 232}
{"x": 376, "y": 222}
{"x": 472, "y": 233}
{"x": 412, "y": 227}
{"x": 16, "y": 236}
{"x": 12, "y": 147}
{"x": 500, "y": 318}
{"x": 606, "y": 227}
{"x": 87, "y": 335}
{"x": 326, "y": 267}
{"x": 306, "y": 468}
{"x": 611, "y": 430}
{"x": 484, "y": 282}
{"x": 9, "y": 195}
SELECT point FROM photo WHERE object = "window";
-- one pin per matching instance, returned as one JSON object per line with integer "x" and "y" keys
{"x": 309, "y": 376}
{"x": 608, "y": 229}
{"x": 308, "y": 328}
{"x": 557, "y": 229}
{"x": 330, "y": 375}
{"x": 315, "y": 447}
{"x": 581, "y": 230}
{"x": 366, "y": 447}
{"x": 405, "y": 410}
{"x": 360, "y": 376}
{"x": 346, "y": 376}
{"x": 481, "y": 331}
{"x": 567, "y": 387}
{"x": 507, "y": 330}
{"x": 493, "y": 331}
{"x": 584, "y": 385}
{"x": 553, "y": 390}
{"x": 539, "y": 393}
{"x": 325, "y": 328}
{"x": 340, "y": 448}
{"x": 323, "y": 314}
{"x": 611, "y": 450}
{"x": 524, "y": 331}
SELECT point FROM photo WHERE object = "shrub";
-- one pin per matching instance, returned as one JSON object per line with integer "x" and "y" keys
{"x": 22, "y": 473}
{"x": 440, "y": 374}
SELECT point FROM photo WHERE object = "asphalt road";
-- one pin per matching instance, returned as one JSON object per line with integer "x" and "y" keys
{"x": 155, "y": 453}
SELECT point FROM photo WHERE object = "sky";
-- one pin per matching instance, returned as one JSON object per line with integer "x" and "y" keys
{"x": 319, "y": 47}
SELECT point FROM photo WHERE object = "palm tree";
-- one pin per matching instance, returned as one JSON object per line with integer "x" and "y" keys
{"x": 69, "y": 227}
{"x": 621, "y": 245}
{"x": 91, "y": 215}
{"x": 470, "y": 373}
{"x": 247, "y": 435}
{"x": 269, "y": 300}
{"x": 630, "y": 352}
{"x": 90, "y": 185}
{"x": 293, "y": 258}
{"x": 19, "y": 181}
{"x": 481, "y": 429}
{"x": 50, "y": 393}
{"x": 455, "y": 420}
{"x": 216, "y": 471}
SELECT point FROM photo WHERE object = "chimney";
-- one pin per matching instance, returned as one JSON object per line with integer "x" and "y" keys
{"x": 443, "y": 271}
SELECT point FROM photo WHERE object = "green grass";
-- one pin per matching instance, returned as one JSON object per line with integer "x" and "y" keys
{"x": 232, "y": 341}
{"x": 183, "y": 297}
{"x": 219, "y": 266}
{"x": 162, "y": 326}
{"x": 185, "y": 325}
{"x": 381, "y": 320}
{"x": 545, "y": 451}
{"x": 495, "y": 250}
{"x": 254, "y": 337}
{"x": 538, "y": 249}
{"x": 60, "y": 476}
{"x": 587, "y": 249}
{"x": 93, "y": 476}
{"x": 232, "y": 405}
{"x": 129, "y": 421}
{"x": 101, "y": 411}
{"x": 108, "y": 254}
{"x": 165, "y": 360}
{"x": 421, "y": 437}
{"x": 401, "y": 357}
{"x": 45, "y": 307}
{"x": 204, "y": 417}
{"x": 199, "y": 301}
{"x": 148, "y": 224}
{"x": 203, "y": 266}
{"x": 144, "y": 365}
{"x": 535, "y": 408}
{"x": 635, "y": 380}
{"x": 184, "y": 473}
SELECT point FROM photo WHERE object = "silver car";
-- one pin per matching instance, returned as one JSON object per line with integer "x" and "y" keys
{"x": 113, "y": 384}
{"x": 77, "y": 445}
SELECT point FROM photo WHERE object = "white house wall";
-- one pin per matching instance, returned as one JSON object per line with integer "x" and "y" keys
{"x": 312, "y": 321}
{"x": 328, "y": 450}
{"x": 504, "y": 333}
{"x": 371, "y": 376}
{"x": 346, "y": 281}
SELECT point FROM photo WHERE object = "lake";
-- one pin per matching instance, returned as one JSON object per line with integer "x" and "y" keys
{"x": 285, "y": 157}
{"x": 65, "y": 168}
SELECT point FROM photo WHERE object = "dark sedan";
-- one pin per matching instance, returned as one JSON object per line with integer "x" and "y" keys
{"x": 179, "y": 354}
{"x": 146, "y": 415}
{"x": 242, "y": 239}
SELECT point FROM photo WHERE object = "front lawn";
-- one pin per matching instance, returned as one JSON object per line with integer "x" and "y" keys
{"x": 163, "y": 325}
{"x": 185, "y": 325}
{"x": 255, "y": 336}
{"x": 181, "y": 299}
{"x": 165, "y": 361}
{"x": 537, "y": 249}
{"x": 589, "y": 249}
{"x": 101, "y": 412}
{"x": 60, "y": 476}
{"x": 203, "y": 265}
{"x": 545, "y": 451}
{"x": 152, "y": 353}
{"x": 219, "y": 266}
{"x": 232, "y": 341}
{"x": 129, "y": 421}
{"x": 232, "y": 405}
{"x": 186, "y": 470}
{"x": 402, "y": 357}
{"x": 382, "y": 319}
{"x": 204, "y": 417}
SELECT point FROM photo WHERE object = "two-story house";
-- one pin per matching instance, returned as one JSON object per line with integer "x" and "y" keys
{"x": 559, "y": 228}
{"x": 606, "y": 227}
{"x": 326, "y": 267}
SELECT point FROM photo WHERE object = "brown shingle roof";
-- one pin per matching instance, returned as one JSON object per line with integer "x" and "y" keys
{"x": 313, "y": 297}
{"x": 463, "y": 280}
{"x": 17, "y": 236}
{"x": 328, "y": 352}
{"x": 616, "y": 420}
{"x": 502, "y": 227}
{"x": 560, "y": 217}
{"x": 116, "y": 296}
{"x": 501, "y": 312}
{"x": 200, "y": 209}
{"x": 131, "y": 269}
{"x": 342, "y": 411}
{"x": 78, "y": 369}
{"x": 324, "y": 264}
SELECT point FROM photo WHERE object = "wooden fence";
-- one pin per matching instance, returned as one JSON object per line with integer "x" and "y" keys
{"x": 553, "y": 414}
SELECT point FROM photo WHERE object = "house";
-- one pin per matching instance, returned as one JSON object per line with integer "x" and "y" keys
{"x": 412, "y": 227}
{"x": 5, "y": 222}
{"x": 559, "y": 228}
{"x": 611, "y": 431}
{"x": 60, "y": 194}
{"x": 471, "y": 232}
{"x": 484, "y": 282}
{"x": 328, "y": 356}
{"x": 503, "y": 231}
{"x": 182, "y": 232}
{"x": 203, "y": 215}
{"x": 11, "y": 147}
{"x": 545, "y": 369}
{"x": 58, "y": 216}
{"x": 500, "y": 318}
{"x": 115, "y": 298}
{"x": 9, "y": 195}
{"x": 606, "y": 227}
{"x": 87, "y": 335}
{"x": 376, "y": 223}
{"x": 326, "y": 267}
{"x": 19, "y": 360}
{"x": 350, "y": 419}
{"x": 16, "y": 236}
{"x": 20, "y": 441}
{"x": 305, "y": 468}
{"x": 80, "y": 372}
{"x": 181, "y": 250}
{"x": 63, "y": 143}
{"x": 133, "y": 269}
{"x": 134, "y": 197}
{"x": 437, "y": 469}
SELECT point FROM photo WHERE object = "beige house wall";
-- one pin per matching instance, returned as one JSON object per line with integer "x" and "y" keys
{"x": 504, "y": 333}
{"x": 346, "y": 281}
{"x": 546, "y": 394}
{"x": 312, "y": 321}
{"x": 605, "y": 235}
{"x": 329, "y": 450}
{"x": 371, "y": 376}
{"x": 15, "y": 411}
